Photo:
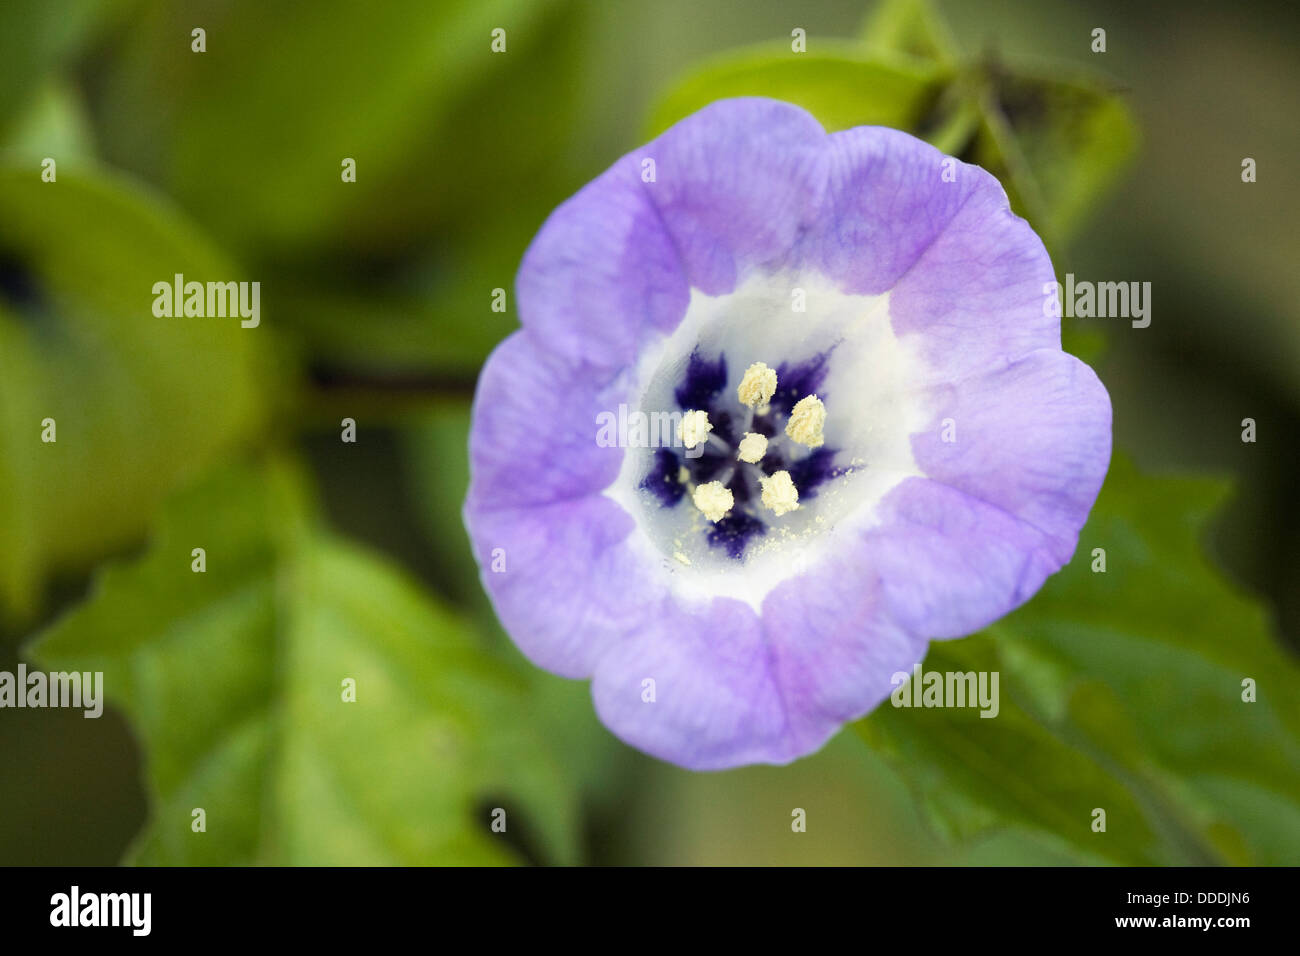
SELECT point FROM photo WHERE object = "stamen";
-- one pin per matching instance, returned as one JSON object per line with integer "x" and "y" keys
{"x": 714, "y": 499}
{"x": 764, "y": 435}
{"x": 779, "y": 493}
{"x": 752, "y": 448}
{"x": 758, "y": 385}
{"x": 694, "y": 427}
{"x": 806, "y": 421}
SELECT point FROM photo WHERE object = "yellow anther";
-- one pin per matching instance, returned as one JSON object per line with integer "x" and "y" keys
{"x": 758, "y": 386}
{"x": 752, "y": 448}
{"x": 694, "y": 428}
{"x": 806, "y": 421}
{"x": 714, "y": 499}
{"x": 779, "y": 493}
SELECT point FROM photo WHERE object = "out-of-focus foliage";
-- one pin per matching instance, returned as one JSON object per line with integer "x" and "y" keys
{"x": 909, "y": 28}
{"x": 273, "y": 95}
{"x": 37, "y": 38}
{"x": 1055, "y": 144}
{"x": 138, "y": 402}
{"x": 54, "y": 123}
{"x": 411, "y": 242}
{"x": 234, "y": 678}
{"x": 1122, "y": 690}
{"x": 438, "y": 452}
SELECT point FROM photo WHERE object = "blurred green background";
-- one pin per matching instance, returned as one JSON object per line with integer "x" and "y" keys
{"x": 329, "y": 560}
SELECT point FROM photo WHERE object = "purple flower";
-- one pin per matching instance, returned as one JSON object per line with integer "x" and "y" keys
{"x": 878, "y": 440}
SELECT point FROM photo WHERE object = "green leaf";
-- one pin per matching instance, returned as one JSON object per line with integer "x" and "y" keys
{"x": 1121, "y": 690}
{"x": 1056, "y": 142}
{"x": 250, "y": 135}
{"x": 911, "y": 27}
{"x": 233, "y": 679}
{"x": 139, "y": 402}
{"x": 37, "y": 38}
{"x": 835, "y": 81}
{"x": 973, "y": 775}
{"x": 439, "y": 320}
{"x": 460, "y": 153}
{"x": 54, "y": 125}
{"x": 437, "y": 450}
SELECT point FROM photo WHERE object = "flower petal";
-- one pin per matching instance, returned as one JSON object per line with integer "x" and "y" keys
{"x": 1032, "y": 439}
{"x": 965, "y": 275}
{"x": 1002, "y": 504}
{"x": 835, "y": 646}
{"x": 736, "y": 184}
{"x": 534, "y": 427}
{"x": 950, "y": 564}
{"x": 562, "y": 579}
{"x": 733, "y": 186}
{"x": 716, "y": 703}
{"x": 602, "y": 272}
{"x": 885, "y": 205}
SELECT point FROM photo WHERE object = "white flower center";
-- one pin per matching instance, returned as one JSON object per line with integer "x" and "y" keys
{"x": 846, "y": 441}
